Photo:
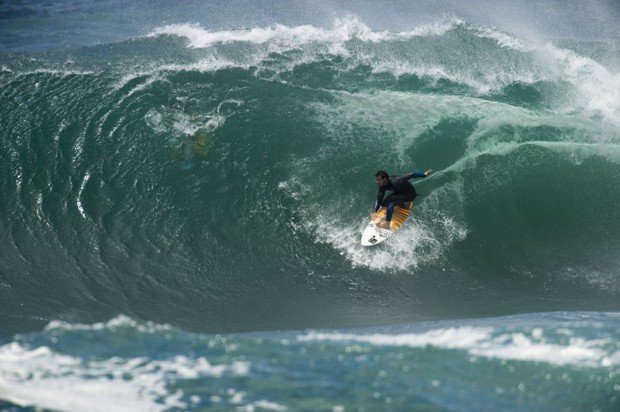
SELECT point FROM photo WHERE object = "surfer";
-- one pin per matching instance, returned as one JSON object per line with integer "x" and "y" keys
{"x": 403, "y": 193}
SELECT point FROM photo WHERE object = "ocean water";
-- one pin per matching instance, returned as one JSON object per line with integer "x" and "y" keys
{"x": 554, "y": 361}
{"x": 183, "y": 187}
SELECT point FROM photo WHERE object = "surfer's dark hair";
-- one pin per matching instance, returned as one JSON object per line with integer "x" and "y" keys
{"x": 382, "y": 174}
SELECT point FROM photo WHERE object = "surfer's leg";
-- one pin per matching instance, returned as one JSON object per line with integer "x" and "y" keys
{"x": 388, "y": 216}
{"x": 390, "y": 212}
{"x": 401, "y": 200}
{"x": 388, "y": 202}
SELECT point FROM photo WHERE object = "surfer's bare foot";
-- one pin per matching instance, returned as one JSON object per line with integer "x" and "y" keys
{"x": 384, "y": 225}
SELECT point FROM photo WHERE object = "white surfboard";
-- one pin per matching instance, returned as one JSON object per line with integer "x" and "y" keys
{"x": 373, "y": 235}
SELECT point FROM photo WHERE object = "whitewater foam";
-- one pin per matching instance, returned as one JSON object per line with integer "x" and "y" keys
{"x": 489, "y": 343}
{"x": 403, "y": 252}
{"x": 599, "y": 87}
{"x": 177, "y": 123}
{"x": 421, "y": 240}
{"x": 285, "y": 37}
{"x": 46, "y": 379}
{"x": 502, "y": 39}
{"x": 120, "y": 321}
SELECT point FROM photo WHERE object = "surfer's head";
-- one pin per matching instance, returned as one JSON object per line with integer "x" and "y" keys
{"x": 381, "y": 178}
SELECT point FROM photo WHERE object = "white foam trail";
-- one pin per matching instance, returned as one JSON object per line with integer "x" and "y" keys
{"x": 450, "y": 338}
{"x": 580, "y": 151}
{"x": 204, "y": 65}
{"x": 263, "y": 405}
{"x": 57, "y": 72}
{"x": 120, "y": 321}
{"x": 484, "y": 341}
{"x": 140, "y": 87}
{"x": 79, "y": 195}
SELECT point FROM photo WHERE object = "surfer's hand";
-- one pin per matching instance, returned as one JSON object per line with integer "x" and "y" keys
{"x": 428, "y": 172}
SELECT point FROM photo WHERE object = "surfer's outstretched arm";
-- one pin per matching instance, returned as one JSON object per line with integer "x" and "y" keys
{"x": 399, "y": 180}
{"x": 418, "y": 174}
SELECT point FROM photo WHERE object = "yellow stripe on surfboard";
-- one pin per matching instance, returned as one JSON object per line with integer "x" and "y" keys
{"x": 398, "y": 217}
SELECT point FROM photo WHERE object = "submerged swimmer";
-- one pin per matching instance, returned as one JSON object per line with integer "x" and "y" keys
{"x": 197, "y": 144}
{"x": 403, "y": 193}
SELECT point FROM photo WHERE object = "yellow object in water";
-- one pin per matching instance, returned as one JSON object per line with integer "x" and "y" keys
{"x": 202, "y": 142}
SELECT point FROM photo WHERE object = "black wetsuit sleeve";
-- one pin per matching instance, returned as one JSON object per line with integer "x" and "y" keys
{"x": 414, "y": 175}
{"x": 398, "y": 181}
{"x": 379, "y": 198}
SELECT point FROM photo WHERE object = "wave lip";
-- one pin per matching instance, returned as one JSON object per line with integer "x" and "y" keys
{"x": 515, "y": 61}
{"x": 343, "y": 30}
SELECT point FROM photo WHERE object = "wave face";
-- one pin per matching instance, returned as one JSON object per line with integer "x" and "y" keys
{"x": 553, "y": 361}
{"x": 219, "y": 180}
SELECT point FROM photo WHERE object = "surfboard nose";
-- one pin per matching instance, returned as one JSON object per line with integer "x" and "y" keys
{"x": 369, "y": 241}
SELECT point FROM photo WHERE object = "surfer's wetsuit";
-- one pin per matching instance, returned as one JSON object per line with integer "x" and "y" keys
{"x": 403, "y": 192}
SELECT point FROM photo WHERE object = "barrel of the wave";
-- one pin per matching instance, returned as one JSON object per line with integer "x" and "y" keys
{"x": 373, "y": 234}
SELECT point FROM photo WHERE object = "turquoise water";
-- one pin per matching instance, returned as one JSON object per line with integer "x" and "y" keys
{"x": 555, "y": 361}
{"x": 169, "y": 173}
